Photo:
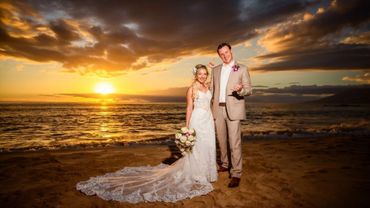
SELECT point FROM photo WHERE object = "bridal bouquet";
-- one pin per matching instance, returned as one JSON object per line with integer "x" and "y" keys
{"x": 185, "y": 139}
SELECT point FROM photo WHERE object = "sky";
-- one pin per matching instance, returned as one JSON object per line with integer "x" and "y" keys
{"x": 54, "y": 50}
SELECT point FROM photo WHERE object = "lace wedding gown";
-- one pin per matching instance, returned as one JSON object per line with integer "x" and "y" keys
{"x": 188, "y": 177}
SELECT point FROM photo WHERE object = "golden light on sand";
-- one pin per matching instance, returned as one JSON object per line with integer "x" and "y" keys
{"x": 104, "y": 88}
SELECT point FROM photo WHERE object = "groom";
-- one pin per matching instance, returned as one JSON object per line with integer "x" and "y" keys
{"x": 230, "y": 83}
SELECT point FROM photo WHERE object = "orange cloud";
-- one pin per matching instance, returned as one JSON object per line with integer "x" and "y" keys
{"x": 94, "y": 36}
{"x": 363, "y": 78}
{"x": 333, "y": 38}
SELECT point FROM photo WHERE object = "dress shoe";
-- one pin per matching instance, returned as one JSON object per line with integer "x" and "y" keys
{"x": 222, "y": 169}
{"x": 234, "y": 182}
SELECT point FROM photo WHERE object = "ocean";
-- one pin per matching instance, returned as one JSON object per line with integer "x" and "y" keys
{"x": 38, "y": 126}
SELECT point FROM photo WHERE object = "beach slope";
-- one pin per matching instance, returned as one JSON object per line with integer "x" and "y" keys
{"x": 320, "y": 172}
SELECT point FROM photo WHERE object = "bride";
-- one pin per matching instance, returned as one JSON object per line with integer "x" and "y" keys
{"x": 188, "y": 177}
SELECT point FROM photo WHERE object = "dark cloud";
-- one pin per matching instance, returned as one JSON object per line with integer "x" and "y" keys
{"x": 336, "y": 57}
{"x": 291, "y": 94}
{"x": 115, "y": 36}
{"x": 312, "y": 93}
{"x": 336, "y": 37}
{"x": 311, "y": 89}
{"x": 64, "y": 32}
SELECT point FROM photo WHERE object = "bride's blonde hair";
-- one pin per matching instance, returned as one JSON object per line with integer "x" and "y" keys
{"x": 195, "y": 85}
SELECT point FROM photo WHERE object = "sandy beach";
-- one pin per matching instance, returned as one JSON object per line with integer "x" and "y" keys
{"x": 319, "y": 172}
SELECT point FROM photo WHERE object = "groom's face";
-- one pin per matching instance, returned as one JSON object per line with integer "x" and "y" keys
{"x": 225, "y": 54}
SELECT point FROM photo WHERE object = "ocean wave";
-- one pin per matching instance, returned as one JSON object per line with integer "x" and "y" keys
{"x": 36, "y": 127}
{"x": 360, "y": 129}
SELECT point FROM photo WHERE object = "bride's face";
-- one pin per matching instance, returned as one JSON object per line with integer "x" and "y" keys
{"x": 201, "y": 76}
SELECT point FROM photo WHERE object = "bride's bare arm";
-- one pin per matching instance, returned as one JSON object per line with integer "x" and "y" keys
{"x": 189, "y": 105}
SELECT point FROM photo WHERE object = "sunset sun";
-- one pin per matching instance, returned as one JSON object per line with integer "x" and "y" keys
{"x": 104, "y": 88}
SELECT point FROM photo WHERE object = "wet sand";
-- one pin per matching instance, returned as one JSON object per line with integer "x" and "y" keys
{"x": 320, "y": 172}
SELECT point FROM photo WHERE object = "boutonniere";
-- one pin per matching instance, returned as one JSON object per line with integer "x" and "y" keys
{"x": 235, "y": 67}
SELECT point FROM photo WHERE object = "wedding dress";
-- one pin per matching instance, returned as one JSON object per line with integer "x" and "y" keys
{"x": 188, "y": 177}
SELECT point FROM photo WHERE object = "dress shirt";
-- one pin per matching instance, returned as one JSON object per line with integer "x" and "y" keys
{"x": 225, "y": 73}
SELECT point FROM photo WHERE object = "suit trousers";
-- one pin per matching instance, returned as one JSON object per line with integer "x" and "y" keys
{"x": 228, "y": 130}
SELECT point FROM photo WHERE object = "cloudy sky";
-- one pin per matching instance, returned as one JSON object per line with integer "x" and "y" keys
{"x": 53, "y": 49}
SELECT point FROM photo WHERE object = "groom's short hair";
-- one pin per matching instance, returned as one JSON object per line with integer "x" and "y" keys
{"x": 222, "y": 45}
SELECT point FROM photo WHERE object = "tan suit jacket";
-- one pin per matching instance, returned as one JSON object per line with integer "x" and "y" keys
{"x": 235, "y": 103}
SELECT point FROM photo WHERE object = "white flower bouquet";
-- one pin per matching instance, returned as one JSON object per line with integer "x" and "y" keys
{"x": 185, "y": 139}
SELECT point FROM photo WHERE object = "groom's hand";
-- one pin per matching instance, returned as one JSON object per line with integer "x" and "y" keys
{"x": 237, "y": 87}
{"x": 211, "y": 64}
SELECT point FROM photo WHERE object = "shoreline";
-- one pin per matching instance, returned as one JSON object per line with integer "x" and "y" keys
{"x": 310, "y": 172}
{"x": 167, "y": 140}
